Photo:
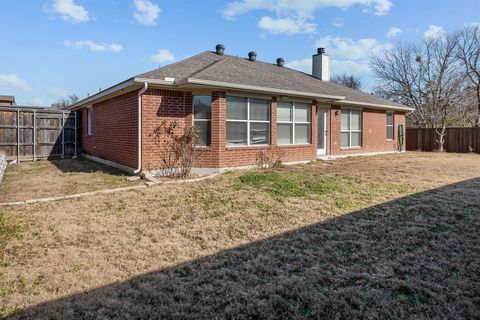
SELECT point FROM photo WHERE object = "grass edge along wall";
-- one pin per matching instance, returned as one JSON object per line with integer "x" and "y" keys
{"x": 114, "y": 129}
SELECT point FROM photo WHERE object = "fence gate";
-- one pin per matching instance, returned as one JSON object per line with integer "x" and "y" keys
{"x": 31, "y": 134}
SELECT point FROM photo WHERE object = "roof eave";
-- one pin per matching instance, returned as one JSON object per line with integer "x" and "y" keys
{"x": 374, "y": 105}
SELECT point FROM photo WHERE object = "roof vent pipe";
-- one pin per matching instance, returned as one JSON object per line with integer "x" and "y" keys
{"x": 280, "y": 62}
{"x": 252, "y": 56}
{"x": 219, "y": 49}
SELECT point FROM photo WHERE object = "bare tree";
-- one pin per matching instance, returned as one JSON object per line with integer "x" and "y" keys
{"x": 349, "y": 81}
{"x": 468, "y": 52}
{"x": 65, "y": 102}
{"x": 425, "y": 76}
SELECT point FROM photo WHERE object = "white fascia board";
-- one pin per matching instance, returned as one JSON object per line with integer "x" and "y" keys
{"x": 166, "y": 82}
{"x": 373, "y": 105}
{"x": 220, "y": 84}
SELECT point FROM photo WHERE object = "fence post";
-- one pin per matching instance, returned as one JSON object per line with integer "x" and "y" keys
{"x": 75, "y": 153}
{"x": 63, "y": 135}
{"x": 18, "y": 135}
{"x": 34, "y": 135}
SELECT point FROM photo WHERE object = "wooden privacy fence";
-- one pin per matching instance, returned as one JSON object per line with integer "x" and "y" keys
{"x": 31, "y": 134}
{"x": 462, "y": 140}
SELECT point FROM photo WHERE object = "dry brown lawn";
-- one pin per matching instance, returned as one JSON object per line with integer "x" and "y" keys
{"x": 386, "y": 237}
{"x": 32, "y": 180}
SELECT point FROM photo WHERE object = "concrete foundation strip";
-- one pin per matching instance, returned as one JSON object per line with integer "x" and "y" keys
{"x": 105, "y": 191}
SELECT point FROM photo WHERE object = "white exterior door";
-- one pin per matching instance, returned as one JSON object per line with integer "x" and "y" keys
{"x": 322, "y": 131}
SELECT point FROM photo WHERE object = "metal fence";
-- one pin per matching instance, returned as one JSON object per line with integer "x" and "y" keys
{"x": 462, "y": 140}
{"x": 31, "y": 134}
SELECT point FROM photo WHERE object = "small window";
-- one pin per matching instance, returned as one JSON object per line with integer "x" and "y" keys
{"x": 90, "y": 121}
{"x": 248, "y": 121}
{"x": 202, "y": 119}
{"x": 389, "y": 125}
{"x": 351, "y": 128}
{"x": 293, "y": 123}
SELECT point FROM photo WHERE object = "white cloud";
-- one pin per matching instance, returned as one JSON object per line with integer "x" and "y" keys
{"x": 338, "y": 22}
{"x": 347, "y": 56}
{"x": 349, "y": 49}
{"x": 162, "y": 56}
{"x": 38, "y": 102}
{"x": 297, "y": 16}
{"x": 304, "y": 8}
{"x": 93, "y": 46}
{"x": 146, "y": 12}
{"x": 434, "y": 32}
{"x": 285, "y": 25}
{"x": 70, "y": 11}
{"x": 56, "y": 92}
{"x": 393, "y": 32}
{"x": 337, "y": 67}
{"x": 13, "y": 81}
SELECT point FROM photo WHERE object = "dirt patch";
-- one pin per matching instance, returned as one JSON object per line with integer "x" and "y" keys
{"x": 351, "y": 238}
{"x": 32, "y": 180}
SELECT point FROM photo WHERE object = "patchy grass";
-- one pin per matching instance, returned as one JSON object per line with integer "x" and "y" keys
{"x": 30, "y": 180}
{"x": 381, "y": 237}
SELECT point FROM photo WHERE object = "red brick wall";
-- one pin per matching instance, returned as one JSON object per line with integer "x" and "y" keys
{"x": 114, "y": 130}
{"x": 243, "y": 156}
{"x": 374, "y": 132}
{"x": 159, "y": 105}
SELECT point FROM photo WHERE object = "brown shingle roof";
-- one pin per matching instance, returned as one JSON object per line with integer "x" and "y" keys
{"x": 236, "y": 70}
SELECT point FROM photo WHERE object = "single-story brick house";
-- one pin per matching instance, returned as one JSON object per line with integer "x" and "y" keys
{"x": 240, "y": 107}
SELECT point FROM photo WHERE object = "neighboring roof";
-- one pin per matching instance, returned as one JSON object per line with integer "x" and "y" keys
{"x": 231, "y": 72}
{"x": 7, "y": 99}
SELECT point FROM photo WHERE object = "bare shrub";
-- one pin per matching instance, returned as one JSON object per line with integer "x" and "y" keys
{"x": 176, "y": 148}
{"x": 270, "y": 158}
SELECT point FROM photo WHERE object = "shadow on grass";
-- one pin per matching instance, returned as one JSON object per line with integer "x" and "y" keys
{"x": 415, "y": 257}
{"x": 82, "y": 165}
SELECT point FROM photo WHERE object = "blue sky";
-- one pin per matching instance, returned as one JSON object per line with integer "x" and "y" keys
{"x": 52, "y": 48}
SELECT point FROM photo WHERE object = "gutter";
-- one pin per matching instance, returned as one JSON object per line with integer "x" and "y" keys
{"x": 139, "y": 143}
{"x": 373, "y": 105}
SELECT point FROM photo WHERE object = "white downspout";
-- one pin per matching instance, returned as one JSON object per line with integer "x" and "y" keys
{"x": 140, "y": 93}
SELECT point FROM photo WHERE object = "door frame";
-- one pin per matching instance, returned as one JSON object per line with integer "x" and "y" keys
{"x": 326, "y": 124}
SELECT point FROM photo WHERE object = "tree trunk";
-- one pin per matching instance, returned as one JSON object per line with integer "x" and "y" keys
{"x": 478, "y": 107}
{"x": 441, "y": 138}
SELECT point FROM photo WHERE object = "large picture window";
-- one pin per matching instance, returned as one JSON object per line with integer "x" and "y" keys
{"x": 248, "y": 121}
{"x": 293, "y": 123}
{"x": 389, "y": 125}
{"x": 202, "y": 119}
{"x": 351, "y": 128}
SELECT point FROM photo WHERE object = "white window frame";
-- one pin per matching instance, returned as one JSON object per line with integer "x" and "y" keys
{"x": 202, "y": 120}
{"x": 350, "y": 131}
{"x": 293, "y": 122}
{"x": 390, "y": 125}
{"x": 248, "y": 121}
{"x": 90, "y": 121}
